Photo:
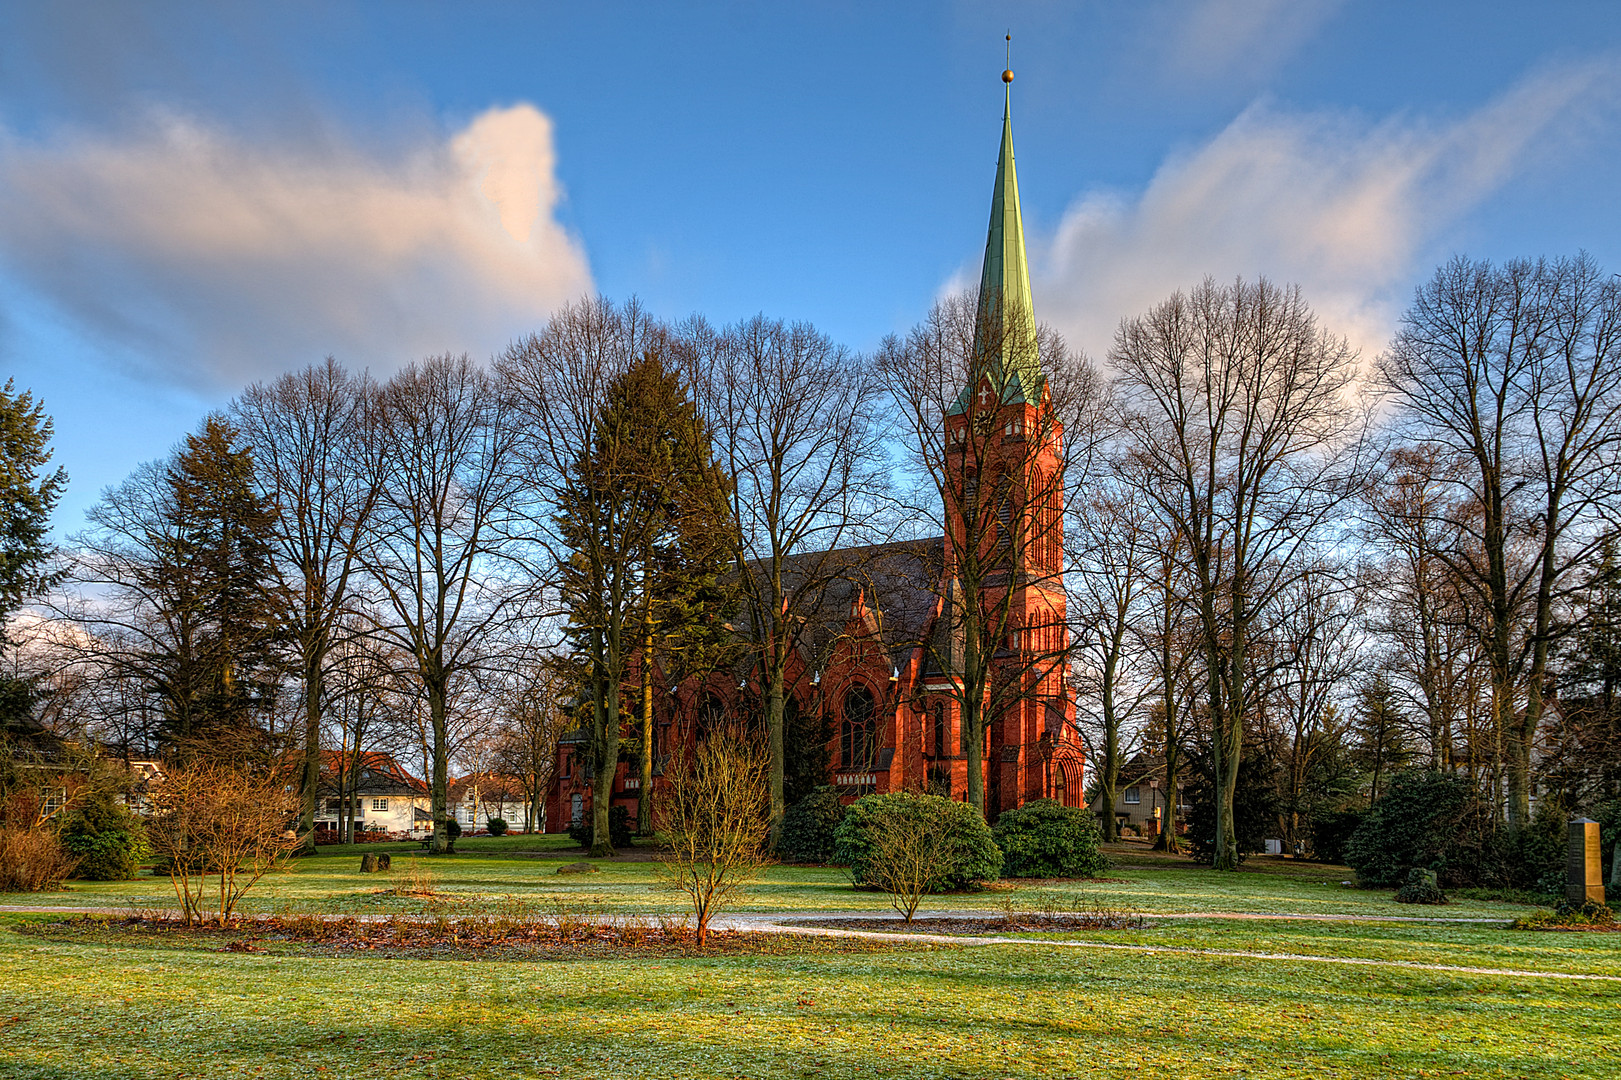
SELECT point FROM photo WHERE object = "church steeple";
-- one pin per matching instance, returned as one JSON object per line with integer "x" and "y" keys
{"x": 1005, "y": 327}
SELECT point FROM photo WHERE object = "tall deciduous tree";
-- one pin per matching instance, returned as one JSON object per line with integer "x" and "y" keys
{"x": 795, "y": 418}
{"x": 1233, "y": 403}
{"x": 1514, "y": 373}
{"x": 308, "y": 430}
{"x": 441, "y": 542}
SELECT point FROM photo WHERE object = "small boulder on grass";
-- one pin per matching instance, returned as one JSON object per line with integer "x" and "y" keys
{"x": 1421, "y": 888}
{"x": 577, "y": 868}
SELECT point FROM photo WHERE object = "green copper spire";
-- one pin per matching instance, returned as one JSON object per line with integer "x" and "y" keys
{"x": 1006, "y": 328}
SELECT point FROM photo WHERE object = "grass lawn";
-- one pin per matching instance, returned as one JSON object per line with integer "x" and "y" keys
{"x": 106, "y": 1002}
{"x": 525, "y": 867}
{"x": 111, "y": 1004}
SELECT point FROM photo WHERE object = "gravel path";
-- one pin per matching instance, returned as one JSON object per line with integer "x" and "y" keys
{"x": 790, "y": 923}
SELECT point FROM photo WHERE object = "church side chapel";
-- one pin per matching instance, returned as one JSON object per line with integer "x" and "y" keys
{"x": 916, "y": 645}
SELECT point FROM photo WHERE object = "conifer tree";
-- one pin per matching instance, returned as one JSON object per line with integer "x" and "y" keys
{"x": 27, "y": 496}
{"x": 647, "y": 522}
{"x": 219, "y": 570}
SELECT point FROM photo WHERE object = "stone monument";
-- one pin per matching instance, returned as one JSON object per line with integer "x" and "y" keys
{"x": 1584, "y": 876}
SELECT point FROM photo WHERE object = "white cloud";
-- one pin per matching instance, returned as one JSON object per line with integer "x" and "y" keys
{"x": 1234, "y": 39}
{"x": 1343, "y": 207}
{"x": 213, "y": 261}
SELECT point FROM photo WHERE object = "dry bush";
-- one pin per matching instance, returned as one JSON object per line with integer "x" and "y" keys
{"x": 713, "y": 814}
{"x": 417, "y": 880}
{"x": 909, "y": 858}
{"x": 211, "y": 819}
{"x": 32, "y": 860}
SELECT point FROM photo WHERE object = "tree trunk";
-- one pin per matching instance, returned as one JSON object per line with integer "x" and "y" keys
{"x": 312, "y": 754}
{"x": 437, "y": 706}
{"x": 644, "y": 801}
{"x": 775, "y": 707}
{"x": 602, "y": 785}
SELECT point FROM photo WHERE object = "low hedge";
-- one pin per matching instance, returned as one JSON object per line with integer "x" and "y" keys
{"x": 972, "y": 857}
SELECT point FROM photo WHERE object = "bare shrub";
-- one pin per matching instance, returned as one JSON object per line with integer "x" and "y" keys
{"x": 909, "y": 859}
{"x": 209, "y": 819}
{"x": 714, "y": 815}
{"x": 31, "y": 860}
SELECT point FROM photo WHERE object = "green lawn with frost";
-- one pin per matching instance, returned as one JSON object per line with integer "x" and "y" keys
{"x": 525, "y": 868}
{"x": 110, "y": 1005}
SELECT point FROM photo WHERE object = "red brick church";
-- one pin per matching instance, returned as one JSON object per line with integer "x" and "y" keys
{"x": 870, "y": 661}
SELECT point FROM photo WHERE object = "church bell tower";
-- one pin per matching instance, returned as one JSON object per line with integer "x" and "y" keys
{"x": 1004, "y": 533}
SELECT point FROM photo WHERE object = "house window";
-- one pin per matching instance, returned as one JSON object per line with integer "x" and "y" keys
{"x": 1133, "y": 795}
{"x": 942, "y": 735}
{"x": 379, "y": 804}
{"x": 52, "y": 801}
{"x": 857, "y": 732}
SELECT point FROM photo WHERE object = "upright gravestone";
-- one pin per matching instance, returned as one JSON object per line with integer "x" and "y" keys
{"x": 1584, "y": 877}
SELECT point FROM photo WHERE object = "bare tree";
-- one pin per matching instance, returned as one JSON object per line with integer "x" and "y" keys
{"x": 795, "y": 419}
{"x": 1233, "y": 403}
{"x": 533, "y": 720}
{"x": 1514, "y": 373}
{"x": 1113, "y": 551}
{"x": 440, "y": 545}
{"x": 307, "y": 430}
{"x": 714, "y": 814}
{"x": 211, "y": 819}
{"x": 1317, "y": 652}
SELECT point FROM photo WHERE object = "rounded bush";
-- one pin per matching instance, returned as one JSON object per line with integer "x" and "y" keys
{"x": 1428, "y": 820}
{"x": 107, "y": 841}
{"x": 453, "y": 829}
{"x": 808, "y": 826}
{"x": 496, "y": 826}
{"x": 969, "y": 856}
{"x": 1045, "y": 839}
{"x": 1421, "y": 888}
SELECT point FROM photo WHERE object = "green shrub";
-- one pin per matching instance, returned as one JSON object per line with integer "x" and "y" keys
{"x": 970, "y": 856}
{"x": 808, "y": 825}
{"x": 453, "y": 829}
{"x": 1429, "y": 820}
{"x": 496, "y": 826}
{"x": 107, "y": 840}
{"x": 1421, "y": 888}
{"x": 1331, "y": 833}
{"x": 1045, "y": 839}
{"x": 618, "y": 828}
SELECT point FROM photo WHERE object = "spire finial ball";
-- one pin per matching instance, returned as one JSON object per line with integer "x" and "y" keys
{"x": 1007, "y": 76}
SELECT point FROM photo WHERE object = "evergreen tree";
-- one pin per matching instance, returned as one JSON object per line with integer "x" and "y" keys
{"x": 1382, "y": 746}
{"x": 646, "y": 559}
{"x": 27, "y": 495}
{"x": 219, "y": 576}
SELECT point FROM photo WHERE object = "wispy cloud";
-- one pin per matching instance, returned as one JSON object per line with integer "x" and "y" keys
{"x": 210, "y": 260}
{"x": 1233, "y": 40}
{"x": 1342, "y": 206}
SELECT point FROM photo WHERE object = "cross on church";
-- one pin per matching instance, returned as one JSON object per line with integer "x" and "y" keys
{"x": 985, "y": 395}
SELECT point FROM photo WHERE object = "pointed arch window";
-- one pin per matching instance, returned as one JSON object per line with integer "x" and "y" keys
{"x": 858, "y": 728}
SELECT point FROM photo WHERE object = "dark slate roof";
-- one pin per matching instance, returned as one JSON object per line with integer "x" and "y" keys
{"x": 898, "y": 581}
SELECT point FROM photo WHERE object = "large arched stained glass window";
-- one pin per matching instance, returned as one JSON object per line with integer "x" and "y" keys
{"x": 858, "y": 729}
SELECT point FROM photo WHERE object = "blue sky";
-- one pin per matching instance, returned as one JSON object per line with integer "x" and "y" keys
{"x": 196, "y": 196}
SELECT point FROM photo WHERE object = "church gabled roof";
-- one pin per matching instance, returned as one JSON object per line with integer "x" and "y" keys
{"x": 1005, "y": 324}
